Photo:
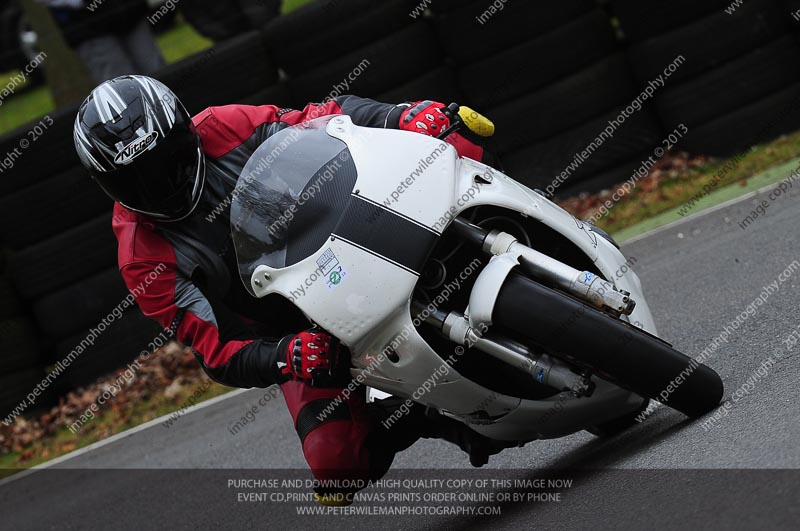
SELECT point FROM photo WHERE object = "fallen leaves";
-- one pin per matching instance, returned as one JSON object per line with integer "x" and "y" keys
{"x": 168, "y": 372}
{"x": 673, "y": 167}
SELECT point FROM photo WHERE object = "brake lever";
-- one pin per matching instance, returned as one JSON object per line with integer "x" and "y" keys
{"x": 456, "y": 123}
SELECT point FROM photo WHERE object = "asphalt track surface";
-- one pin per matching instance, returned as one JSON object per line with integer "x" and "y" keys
{"x": 737, "y": 472}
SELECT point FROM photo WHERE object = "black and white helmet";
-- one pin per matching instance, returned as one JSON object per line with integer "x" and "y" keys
{"x": 138, "y": 142}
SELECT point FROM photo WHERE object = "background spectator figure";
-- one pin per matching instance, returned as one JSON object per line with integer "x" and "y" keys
{"x": 111, "y": 38}
{"x": 219, "y": 21}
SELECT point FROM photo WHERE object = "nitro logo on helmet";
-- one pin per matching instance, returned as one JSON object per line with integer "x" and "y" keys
{"x": 135, "y": 148}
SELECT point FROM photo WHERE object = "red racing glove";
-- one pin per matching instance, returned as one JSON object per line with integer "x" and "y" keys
{"x": 425, "y": 117}
{"x": 316, "y": 358}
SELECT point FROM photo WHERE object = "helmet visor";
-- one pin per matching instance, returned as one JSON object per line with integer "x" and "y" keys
{"x": 164, "y": 181}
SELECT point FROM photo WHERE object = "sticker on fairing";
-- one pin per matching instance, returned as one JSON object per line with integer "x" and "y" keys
{"x": 331, "y": 269}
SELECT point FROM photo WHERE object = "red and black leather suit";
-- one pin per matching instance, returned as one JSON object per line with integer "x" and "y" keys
{"x": 236, "y": 337}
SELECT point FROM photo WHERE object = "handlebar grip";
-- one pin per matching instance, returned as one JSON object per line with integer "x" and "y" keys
{"x": 476, "y": 122}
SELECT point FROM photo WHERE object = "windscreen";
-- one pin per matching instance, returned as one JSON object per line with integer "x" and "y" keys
{"x": 289, "y": 197}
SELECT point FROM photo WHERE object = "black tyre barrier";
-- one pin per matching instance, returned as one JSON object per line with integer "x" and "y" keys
{"x": 49, "y": 151}
{"x": 221, "y": 75}
{"x": 568, "y": 103}
{"x": 63, "y": 259}
{"x": 277, "y": 95}
{"x": 538, "y": 62}
{"x": 325, "y": 30}
{"x": 18, "y": 345}
{"x": 219, "y": 21}
{"x": 50, "y": 207}
{"x": 382, "y": 66}
{"x": 755, "y": 23}
{"x": 735, "y": 84}
{"x": 9, "y": 303}
{"x": 739, "y": 130}
{"x": 479, "y": 29}
{"x": 438, "y": 85}
{"x": 116, "y": 346}
{"x": 80, "y": 304}
{"x": 15, "y": 386}
{"x": 538, "y": 165}
{"x": 607, "y": 179}
{"x": 642, "y": 19}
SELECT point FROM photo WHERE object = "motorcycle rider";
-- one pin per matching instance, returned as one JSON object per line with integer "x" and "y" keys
{"x": 168, "y": 173}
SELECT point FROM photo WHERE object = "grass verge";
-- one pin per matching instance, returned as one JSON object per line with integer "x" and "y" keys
{"x": 764, "y": 179}
{"x": 169, "y": 381}
{"x": 291, "y": 5}
{"x": 669, "y": 190}
{"x": 103, "y": 426}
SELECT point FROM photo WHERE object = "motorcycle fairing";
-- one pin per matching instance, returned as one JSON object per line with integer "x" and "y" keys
{"x": 358, "y": 284}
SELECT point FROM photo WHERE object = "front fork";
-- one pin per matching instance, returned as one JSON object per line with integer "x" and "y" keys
{"x": 582, "y": 284}
{"x": 470, "y": 330}
{"x": 543, "y": 368}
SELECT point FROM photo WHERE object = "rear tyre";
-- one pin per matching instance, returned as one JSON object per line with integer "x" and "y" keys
{"x": 611, "y": 348}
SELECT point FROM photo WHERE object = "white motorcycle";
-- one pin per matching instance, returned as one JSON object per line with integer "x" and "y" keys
{"x": 455, "y": 286}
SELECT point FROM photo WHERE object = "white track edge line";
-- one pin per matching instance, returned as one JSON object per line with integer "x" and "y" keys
{"x": 121, "y": 435}
{"x": 709, "y": 210}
